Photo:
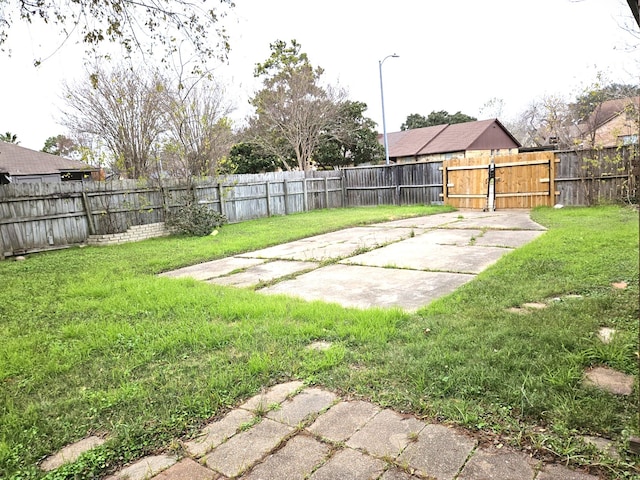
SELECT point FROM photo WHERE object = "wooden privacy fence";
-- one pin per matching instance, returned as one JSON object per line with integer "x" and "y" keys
{"x": 42, "y": 216}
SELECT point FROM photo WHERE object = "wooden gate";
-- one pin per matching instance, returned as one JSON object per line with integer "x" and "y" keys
{"x": 524, "y": 180}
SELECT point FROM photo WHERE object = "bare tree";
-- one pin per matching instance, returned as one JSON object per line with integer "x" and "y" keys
{"x": 122, "y": 109}
{"x": 199, "y": 131}
{"x": 547, "y": 121}
{"x": 293, "y": 110}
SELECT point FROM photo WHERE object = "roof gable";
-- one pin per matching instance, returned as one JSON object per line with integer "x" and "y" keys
{"x": 458, "y": 137}
{"x": 409, "y": 142}
{"x": 17, "y": 160}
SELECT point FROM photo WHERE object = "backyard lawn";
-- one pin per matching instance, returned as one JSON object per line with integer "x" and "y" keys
{"x": 94, "y": 342}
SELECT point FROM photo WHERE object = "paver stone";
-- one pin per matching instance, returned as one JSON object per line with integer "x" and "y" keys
{"x": 610, "y": 380}
{"x": 307, "y": 402}
{"x": 396, "y": 474}
{"x": 217, "y": 432}
{"x": 186, "y": 469}
{"x": 439, "y": 452}
{"x": 296, "y": 459}
{"x": 243, "y": 450}
{"x": 497, "y": 465}
{"x": 349, "y": 464}
{"x": 276, "y": 394}
{"x": 70, "y": 453}
{"x": 386, "y": 434}
{"x": 343, "y": 420}
{"x": 145, "y": 468}
{"x": 560, "y": 472}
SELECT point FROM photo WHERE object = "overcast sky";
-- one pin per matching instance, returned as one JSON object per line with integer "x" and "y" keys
{"x": 453, "y": 56}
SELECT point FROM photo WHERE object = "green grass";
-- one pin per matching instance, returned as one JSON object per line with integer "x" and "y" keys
{"x": 95, "y": 342}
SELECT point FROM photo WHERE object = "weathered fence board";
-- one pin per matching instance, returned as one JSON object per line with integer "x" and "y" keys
{"x": 407, "y": 183}
{"x": 589, "y": 177}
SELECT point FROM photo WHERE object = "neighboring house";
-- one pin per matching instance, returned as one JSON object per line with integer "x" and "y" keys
{"x": 442, "y": 142}
{"x": 612, "y": 124}
{"x": 23, "y": 165}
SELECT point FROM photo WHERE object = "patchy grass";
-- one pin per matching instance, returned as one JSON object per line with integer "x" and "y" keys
{"x": 95, "y": 342}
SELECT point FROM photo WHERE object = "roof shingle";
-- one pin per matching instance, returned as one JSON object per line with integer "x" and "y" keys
{"x": 17, "y": 160}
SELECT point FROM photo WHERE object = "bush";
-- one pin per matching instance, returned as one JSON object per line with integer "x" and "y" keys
{"x": 195, "y": 219}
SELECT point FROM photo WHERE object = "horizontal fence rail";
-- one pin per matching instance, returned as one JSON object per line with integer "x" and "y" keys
{"x": 41, "y": 216}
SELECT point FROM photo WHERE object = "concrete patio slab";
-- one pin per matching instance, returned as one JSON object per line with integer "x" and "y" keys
{"x": 500, "y": 220}
{"x": 416, "y": 255}
{"x": 507, "y": 238}
{"x": 264, "y": 272}
{"x": 333, "y": 245}
{"x": 371, "y": 286}
{"x": 215, "y": 268}
{"x": 406, "y": 263}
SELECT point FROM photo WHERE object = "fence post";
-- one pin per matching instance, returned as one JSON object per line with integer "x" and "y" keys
{"x": 285, "y": 189}
{"x": 305, "y": 201}
{"x": 87, "y": 209}
{"x": 398, "y": 183}
{"x": 221, "y": 199}
{"x": 326, "y": 193}
{"x": 343, "y": 186}
{"x": 266, "y": 185}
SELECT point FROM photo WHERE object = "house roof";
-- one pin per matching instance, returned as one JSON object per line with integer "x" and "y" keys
{"x": 410, "y": 142}
{"x": 17, "y": 160}
{"x": 458, "y": 137}
{"x": 610, "y": 109}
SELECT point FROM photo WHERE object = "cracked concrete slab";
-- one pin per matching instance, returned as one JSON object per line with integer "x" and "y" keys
{"x": 264, "y": 272}
{"x": 414, "y": 254}
{"x": 215, "y": 268}
{"x": 371, "y": 286}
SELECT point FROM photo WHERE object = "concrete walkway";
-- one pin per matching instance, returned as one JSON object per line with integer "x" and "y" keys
{"x": 291, "y": 432}
{"x": 404, "y": 263}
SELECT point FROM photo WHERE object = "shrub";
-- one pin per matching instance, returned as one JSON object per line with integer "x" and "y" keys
{"x": 195, "y": 219}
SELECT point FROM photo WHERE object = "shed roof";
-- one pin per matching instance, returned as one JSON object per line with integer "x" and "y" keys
{"x": 458, "y": 137}
{"x": 17, "y": 160}
{"x": 410, "y": 142}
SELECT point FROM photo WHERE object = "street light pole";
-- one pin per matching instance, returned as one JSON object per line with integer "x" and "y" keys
{"x": 384, "y": 123}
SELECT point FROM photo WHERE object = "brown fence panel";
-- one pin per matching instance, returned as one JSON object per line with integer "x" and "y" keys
{"x": 401, "y": 184}
{"x": 587, "y": 177}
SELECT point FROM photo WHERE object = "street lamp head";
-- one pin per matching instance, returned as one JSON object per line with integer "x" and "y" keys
{"x": 395, "y": 55}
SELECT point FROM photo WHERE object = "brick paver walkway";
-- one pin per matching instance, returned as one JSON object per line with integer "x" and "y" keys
{"x": 293, "y": 432}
